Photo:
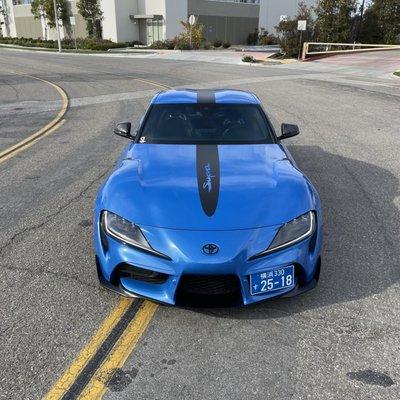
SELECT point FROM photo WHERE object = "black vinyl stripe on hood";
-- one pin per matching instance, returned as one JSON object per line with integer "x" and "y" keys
{"x": 208, "y": 177}
{"x": 205, "y": 96}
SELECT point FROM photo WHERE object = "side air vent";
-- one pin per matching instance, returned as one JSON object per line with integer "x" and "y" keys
{"x": 139, "y": 274}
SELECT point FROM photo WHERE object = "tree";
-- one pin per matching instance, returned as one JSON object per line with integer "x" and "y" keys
{"x": 334, "y": 20}
{"x": 370, "y": 31}
{"x": 387, "y": 14}
{"x": 45, "y": 9}
{"x": 4, "y": 20}
{"x": 381, "y": 22}
{"x": 3, "y": 14}
{"x": 289, "y": 36}
{"x": 92, "y": 14}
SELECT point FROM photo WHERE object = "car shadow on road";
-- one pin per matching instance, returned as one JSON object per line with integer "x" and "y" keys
{"x": 360, "y": 257}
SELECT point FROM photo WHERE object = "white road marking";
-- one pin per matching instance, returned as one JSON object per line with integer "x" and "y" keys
{"x": 29, "y": 107}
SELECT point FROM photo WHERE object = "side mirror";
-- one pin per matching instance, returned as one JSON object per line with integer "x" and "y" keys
{"x": 288, "y": 131}
{"x": 124, "y": 129}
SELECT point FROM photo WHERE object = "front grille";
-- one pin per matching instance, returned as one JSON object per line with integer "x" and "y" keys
{"x": 209, "y": 290}
{"x": 140, "y": 274}
{"x": 198, "y": 284}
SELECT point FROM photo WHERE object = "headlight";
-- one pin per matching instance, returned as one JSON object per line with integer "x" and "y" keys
{"x": 126, "y": 232}
{"x": 291, "y": 233}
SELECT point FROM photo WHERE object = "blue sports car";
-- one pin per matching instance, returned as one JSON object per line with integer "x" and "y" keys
{"x": 206, "y": 206}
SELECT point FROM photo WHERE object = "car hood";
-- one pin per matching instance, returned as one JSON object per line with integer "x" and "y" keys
{"x": 201, "y": 187}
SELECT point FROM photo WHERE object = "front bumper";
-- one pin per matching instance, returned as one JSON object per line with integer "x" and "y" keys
{"x": 210, "y": 271}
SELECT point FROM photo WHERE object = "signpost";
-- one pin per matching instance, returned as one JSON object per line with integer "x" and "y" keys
{"x": 301, "y": 26}
{"x": 192, "y": 21}
{"x": 72, "y": 22}
{"x": 57, "y": 26}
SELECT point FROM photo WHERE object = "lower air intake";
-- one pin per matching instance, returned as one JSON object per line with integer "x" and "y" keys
{"x": 209, "y": 291}
{"x": 139, "y": 274}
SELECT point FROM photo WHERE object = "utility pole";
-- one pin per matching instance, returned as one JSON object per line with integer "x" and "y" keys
{"x": 57, "y": 26}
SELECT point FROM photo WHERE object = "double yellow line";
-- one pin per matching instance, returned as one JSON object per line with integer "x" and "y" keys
{"x": 81, "y": 382}
{"x": 88, "y": 375}
{"x": 55, "y": 123}
{"x": 52, "y": 126}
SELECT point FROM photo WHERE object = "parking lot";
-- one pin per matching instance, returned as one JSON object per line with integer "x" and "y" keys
{"x": 340, "y": 341}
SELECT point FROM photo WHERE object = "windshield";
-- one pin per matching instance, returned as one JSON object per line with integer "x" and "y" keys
{"x": 206, "y": 124}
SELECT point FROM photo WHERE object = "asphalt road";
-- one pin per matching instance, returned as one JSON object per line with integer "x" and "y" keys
{"x": 26, "y": 105}
{"x": 338, "y": 341}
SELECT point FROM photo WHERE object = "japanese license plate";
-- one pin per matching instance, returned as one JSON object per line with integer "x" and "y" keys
{"x": 279, "y": 278}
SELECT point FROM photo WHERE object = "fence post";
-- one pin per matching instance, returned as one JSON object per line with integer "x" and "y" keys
{"x": 305, "y": 51}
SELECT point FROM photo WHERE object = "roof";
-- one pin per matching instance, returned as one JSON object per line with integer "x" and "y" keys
{"x": 194, "y": 96}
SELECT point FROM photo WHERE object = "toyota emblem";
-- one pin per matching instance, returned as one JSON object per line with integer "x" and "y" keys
{"x": 210, "y": 249}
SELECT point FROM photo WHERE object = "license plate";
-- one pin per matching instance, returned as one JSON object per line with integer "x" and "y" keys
{"x": 279, "y": 278}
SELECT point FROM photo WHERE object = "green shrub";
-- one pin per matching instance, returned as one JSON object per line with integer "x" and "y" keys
{"x": 268, "y": 40}
{"x": 217, "y": 43}
{"x": 248, "y": 59}
{"x": 193, "y": 35}
{"x": 226, "y": 45}
{"x": 181, "y": 44}
{"x": 158, "y": 45}
{"x": 252, "y": 38}
{"x": 135, "y": 43}
{"x": 99, "y": 44}
{"x": 168, "y": 44}
{"x": 28, "y": 42}
{"x": 289, "y": 35}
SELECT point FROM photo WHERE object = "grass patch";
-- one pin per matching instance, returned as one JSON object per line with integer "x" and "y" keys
{"x": 397, "y": 73}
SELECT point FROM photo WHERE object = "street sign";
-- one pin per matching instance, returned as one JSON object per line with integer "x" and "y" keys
{"x": 72, "y": 21}
{"x": 192, "y": 20}
{"x": 301, "y": 25}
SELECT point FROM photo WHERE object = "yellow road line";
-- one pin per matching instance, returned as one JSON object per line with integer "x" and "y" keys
{"x": 96, "y": 387}
{"x": 53, "y": 125}
{"x": 32, "y": 142}
{"x": 121, "y": 351}
{"x": 63, "y": 384}
{"x": 161, "y": 85}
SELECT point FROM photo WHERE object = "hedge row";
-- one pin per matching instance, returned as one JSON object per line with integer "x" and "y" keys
{"x": 181, "y": 44}
{"x": 104, "y": 45}
{"x": 84, "y": 44}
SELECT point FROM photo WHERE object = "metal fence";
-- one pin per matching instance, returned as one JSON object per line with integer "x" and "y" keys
{"x": 316, "y": 48}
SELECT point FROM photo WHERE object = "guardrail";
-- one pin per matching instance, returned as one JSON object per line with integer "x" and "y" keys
{"x": 316, "y": 48}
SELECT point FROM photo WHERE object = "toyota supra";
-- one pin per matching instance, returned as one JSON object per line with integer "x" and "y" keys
{"x": 206, "y": 204}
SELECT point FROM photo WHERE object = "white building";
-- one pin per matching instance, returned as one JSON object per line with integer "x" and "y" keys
{"x": 271, "y": 12}
{"x": 147, "y": 21}
{"x": 150, "y": 20}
